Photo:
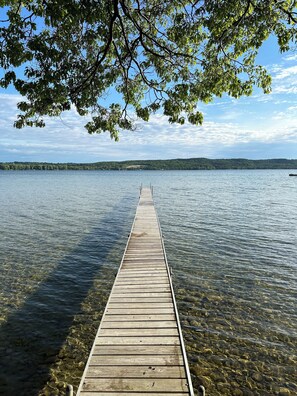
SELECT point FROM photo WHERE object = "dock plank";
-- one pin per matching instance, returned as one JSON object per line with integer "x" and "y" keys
{"x": 140, "y": 300}
{"x": 139, "y": 318}
{"x": 153, "y": 324}
{"x": 137, "y": 305}
{"x": 143, "y": 294}
{"x": 88, "y": 393}
{"x": 131, "y": 350}
{"x": 138, "y": 348}
{"x": 136, "y": 384}
{"x": 152, "y": 332}
{"x": 137, "y": 340}
{"x": 132, "y": 360}
{"x": 136, "y": 372}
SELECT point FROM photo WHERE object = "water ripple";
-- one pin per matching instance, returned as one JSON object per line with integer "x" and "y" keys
{"x": 230, "y": 237}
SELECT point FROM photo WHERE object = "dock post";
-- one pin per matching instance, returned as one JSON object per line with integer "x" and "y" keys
{"x": 152, "y": 190}
{"x": 69, "y": 391}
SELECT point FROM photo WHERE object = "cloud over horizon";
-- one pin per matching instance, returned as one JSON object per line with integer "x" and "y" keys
{"x": 260, "y": 126}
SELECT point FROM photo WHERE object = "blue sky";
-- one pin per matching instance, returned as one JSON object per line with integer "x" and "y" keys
{"x": 255, "y": 127}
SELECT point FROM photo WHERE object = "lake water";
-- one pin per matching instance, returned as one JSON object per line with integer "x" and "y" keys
{"x": 230, "y": 237}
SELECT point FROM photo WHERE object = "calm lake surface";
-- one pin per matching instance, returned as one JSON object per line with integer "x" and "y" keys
{"x": 230, "y": 237}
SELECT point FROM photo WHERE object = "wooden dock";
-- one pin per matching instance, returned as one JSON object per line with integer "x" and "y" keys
{"x": 139, "y": 348}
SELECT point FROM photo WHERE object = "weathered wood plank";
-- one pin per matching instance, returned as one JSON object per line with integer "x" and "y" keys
{"x": 149, "y": 252}
{"x": 136, "y": 372}
{"x": 140, "y": 300}
{"x": 149, "y": 267}
{"x": 94, "y": 393}
{"x": 144, "y": 360}
{"x": 144, "y": 259}
{"x": 137, "y": 340}
{"x": 141, "y": 281}
{"x": 154, "y": 324}
{"x": 145, "y": 272}
{"x": 138, "y": 311}
{"x": 143, "y": 294}
{"x": 141, "y": 297}
{"x": 138, "y": 289}
{"x": 146, "y": 244}
{"x": 142, "y": 270}
{"x": 157, "y": 317}
{"x": 140, "y": 275}
{"x": 153, "y": 332}
{"x": 140, "y": 350}
{"x": 126, "y": 268}
{"x": 135, "y": 384}
{"x": 152, "y": 267}
{"x": 161, "y": 286}
{"x": 125, "y": 305}
{"x": 140, "y": 267}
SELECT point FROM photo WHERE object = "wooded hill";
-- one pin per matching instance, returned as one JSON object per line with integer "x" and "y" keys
{"x": 172, "y": 164}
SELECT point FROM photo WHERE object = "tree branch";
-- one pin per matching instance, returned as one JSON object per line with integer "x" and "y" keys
{"x": 104, "y": 52}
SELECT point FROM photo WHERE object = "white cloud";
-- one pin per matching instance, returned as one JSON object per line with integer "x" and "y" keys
{"x": 286, "y": 89}
{"x": 68, "y": 141}
{"x": 292, "y": 108}
{"x": 224, "y": 133}
{"x": 250, "y": 121}
{"x": 284, "y": 77}
{"x": 291, "y": 57}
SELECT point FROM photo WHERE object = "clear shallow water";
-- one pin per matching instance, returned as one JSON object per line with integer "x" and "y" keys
{"x": 230, "y": 236}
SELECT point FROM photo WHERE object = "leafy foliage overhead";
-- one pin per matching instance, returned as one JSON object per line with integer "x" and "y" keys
{"x": 158, "y": 55}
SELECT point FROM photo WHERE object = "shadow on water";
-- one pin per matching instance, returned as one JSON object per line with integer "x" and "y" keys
{"x": 34, "y": 334}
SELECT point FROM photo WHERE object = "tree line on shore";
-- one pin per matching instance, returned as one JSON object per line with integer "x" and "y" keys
{"x": 171, "y": 164}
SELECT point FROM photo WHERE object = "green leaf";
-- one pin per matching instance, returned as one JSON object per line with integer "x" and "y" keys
{"x": 163, "y": 56}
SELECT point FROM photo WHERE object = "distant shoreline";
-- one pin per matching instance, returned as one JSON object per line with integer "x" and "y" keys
{"x": 171, "y": 164}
